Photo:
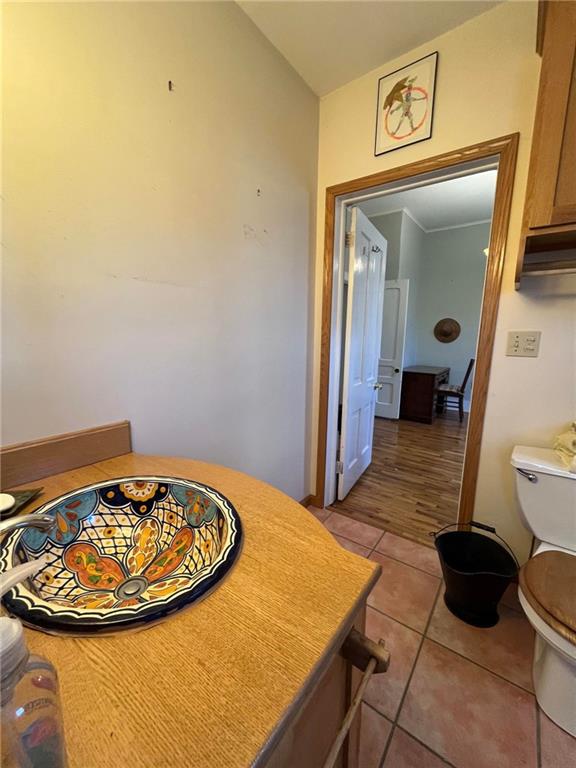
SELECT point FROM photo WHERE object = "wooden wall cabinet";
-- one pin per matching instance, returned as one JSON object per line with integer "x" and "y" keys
{"x": 549, "y": 230}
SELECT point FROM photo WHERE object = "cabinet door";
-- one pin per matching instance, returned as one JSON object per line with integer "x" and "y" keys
{"x": 551, "y": 198}
{"x": 417, "y": 401}
{"x": 307, "y": 741}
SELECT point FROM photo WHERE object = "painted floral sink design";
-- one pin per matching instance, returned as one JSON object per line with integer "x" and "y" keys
{"x": 122, "y": 553}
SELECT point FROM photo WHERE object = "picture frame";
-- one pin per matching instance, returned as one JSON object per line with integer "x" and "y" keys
{"x": 405, "y": 105}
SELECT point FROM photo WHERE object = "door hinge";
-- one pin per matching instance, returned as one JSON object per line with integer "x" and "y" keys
{"x": 339, "y": 467}
{"x": 349, "y": 240}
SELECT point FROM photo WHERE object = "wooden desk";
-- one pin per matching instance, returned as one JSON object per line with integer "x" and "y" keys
{"x": 419, "y": 383}
{"x": 250, "y": 675}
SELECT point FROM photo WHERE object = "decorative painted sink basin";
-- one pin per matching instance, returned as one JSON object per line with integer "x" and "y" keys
{"x": 122, "y": 553}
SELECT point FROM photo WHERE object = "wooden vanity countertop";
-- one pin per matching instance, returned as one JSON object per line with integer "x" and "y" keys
{"x": 216, "y": 684}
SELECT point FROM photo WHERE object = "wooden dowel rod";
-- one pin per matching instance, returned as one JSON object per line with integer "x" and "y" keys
{"x": 350, "y": 715}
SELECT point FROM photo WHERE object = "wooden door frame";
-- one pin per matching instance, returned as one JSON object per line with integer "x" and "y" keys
{"x": 504, "y": 150}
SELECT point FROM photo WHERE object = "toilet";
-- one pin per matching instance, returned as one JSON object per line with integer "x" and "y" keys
{"x": 547, "y": 582}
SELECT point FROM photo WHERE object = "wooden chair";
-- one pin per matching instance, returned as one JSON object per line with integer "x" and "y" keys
{"x": 452, "y": 395}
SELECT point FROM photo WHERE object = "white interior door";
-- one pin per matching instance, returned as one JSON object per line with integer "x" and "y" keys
{"x": 392, "y": 348}
{"x": 365, "y": 302}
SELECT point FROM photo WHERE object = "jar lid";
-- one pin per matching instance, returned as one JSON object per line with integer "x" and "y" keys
{"x": 13, "y": 649}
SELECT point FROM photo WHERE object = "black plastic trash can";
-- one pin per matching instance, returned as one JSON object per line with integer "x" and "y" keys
{"x": 477, "y": 569}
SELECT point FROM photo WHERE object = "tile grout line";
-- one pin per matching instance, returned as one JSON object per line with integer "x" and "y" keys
{"x": 375, "y": 547}
{"x": 424, "y": 636}
{"x": 402, "y": 624}
{"x": 438, "y": 755}
{"x": 384, "y": 554}
{"x": 407, "y": 686}
{"x": 359, "y": 543}
{"x": 352, "y": 541}
{"x": 350, "y": 517}
{"x": 424, "y": 632}
{"x": 395, "y": 726}
{"x": 421, "y": 540}
{"x": 366, "y": 704}
{"x": 480, "y": 666}
{"x": 403, "y": 562}
{"x": 447, "y": 647}
{"x": 377, "y": 711}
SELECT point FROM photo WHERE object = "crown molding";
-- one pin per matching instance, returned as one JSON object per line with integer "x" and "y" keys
{"x": 431, "y": 229}
{"x": 461, "y": 226}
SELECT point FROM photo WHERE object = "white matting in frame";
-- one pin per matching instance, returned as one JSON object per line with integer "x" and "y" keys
{"x": 406, "y": 105}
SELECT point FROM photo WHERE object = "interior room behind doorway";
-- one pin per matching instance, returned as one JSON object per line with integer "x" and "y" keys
{"x": 437, "y": 238}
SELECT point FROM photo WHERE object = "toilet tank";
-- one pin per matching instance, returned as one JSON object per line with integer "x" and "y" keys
{"x": 547, "y": 495}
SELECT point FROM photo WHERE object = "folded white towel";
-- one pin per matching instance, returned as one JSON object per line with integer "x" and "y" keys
{"x": 565, "y": 447}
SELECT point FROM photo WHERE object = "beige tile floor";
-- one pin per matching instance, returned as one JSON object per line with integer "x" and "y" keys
{"x": 454, "y": 695}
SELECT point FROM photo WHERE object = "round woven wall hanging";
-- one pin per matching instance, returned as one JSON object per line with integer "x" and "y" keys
{"x": 447, "y": 330}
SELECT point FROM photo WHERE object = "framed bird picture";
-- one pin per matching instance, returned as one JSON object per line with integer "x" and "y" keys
{"x": 406, "y": 105}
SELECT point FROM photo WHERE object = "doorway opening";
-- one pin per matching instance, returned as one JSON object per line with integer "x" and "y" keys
{"x": 413, "y": 266}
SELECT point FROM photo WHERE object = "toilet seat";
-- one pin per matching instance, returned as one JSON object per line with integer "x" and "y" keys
{"x": 548, "y": 583}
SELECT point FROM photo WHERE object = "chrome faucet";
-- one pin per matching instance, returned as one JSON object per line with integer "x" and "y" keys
{"x": 44, "y": 522}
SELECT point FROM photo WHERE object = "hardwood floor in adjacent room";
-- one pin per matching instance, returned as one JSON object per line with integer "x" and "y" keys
{"x": 413, "y": 484}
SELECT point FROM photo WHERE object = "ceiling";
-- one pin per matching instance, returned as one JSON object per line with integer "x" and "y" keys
{"x": 443, "y": 205}
{"x": 331, "y": 43}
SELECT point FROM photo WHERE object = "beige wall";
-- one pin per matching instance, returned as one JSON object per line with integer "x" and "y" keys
{"x": 486, "y": 87}
{"x": 144, "y": 276}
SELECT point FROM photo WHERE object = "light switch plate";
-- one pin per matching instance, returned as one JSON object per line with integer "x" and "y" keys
{"x": 523, "y": 343}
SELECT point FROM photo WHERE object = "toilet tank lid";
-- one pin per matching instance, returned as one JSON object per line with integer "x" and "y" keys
{"x": 543, "y": 460}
